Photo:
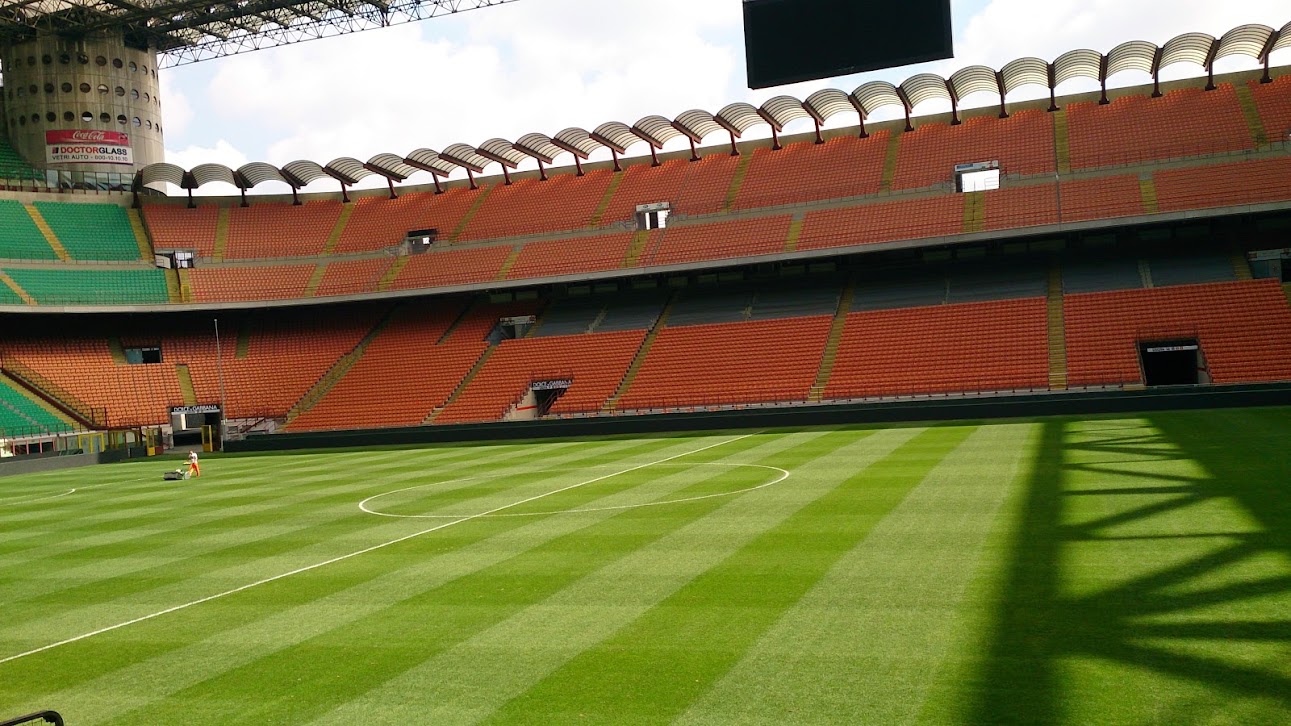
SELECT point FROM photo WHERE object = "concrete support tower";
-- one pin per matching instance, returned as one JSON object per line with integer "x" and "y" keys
{"x": 89, "y": 104}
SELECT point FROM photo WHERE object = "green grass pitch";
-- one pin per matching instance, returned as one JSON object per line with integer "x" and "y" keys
{"x": 1132, "y": 569}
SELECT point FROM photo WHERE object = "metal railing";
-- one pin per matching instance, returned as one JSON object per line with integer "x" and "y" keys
{"x": 45, "y": 716}
{"x": 56, "y": 181}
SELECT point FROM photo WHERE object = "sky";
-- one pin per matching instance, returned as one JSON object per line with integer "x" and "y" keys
{"x": 545, "y": 65}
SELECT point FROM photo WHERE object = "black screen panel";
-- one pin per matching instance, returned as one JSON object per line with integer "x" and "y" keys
{"x": 786, "y": 41}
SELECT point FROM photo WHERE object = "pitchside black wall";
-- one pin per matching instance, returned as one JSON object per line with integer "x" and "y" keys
{"x": 51, "y": 462}
{"x": 786, "y": 41}
{"x": 949, "y": 409}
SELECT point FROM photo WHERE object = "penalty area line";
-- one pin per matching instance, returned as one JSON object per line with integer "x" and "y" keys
{"x": 342, "y": 558}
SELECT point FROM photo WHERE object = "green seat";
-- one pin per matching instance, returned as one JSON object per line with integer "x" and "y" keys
{"x": 91, "y": 231}
{"x": 13, "y": 166}
{"x": 20, "y": 239}
{"x": 73, "y": 286}
{"x": 9, "y": 297}
{"x": 21, "y": 414}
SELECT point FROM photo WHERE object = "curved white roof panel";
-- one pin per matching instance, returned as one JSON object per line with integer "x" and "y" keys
{"x": 429, "y": 160}
{"x": 1256, "y": 41}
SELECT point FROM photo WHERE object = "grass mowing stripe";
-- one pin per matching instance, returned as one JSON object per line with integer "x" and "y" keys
{"x": 330, "y": 535}
{"x": 88, "y": 659}
{"x": 147, "y": 542}
{"x": 470, "y": 680}
{"x": 391, "y": 626}
{"x": 874, "y": 624}
{"x": 109, "y": 512}
{"x": 307, "y": 568}
{"x": 165, "y": 511}
{"x": 658, "y": 670}
{"x": 399, "y": 594}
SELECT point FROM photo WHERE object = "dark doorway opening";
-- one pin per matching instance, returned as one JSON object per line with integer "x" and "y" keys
{"x": 545, "y": 399}
{"x": 546, "y": 392}
{"x": 1172, "y": 363}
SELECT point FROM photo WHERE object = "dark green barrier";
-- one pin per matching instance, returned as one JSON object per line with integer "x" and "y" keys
{"x": 947, "y": 409}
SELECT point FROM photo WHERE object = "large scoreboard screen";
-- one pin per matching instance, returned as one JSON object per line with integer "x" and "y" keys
{"x": 787, "y": 41}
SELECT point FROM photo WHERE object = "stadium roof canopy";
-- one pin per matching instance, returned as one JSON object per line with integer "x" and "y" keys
{"x": 1198, "y": 49}
{"x": 187, "y": 31}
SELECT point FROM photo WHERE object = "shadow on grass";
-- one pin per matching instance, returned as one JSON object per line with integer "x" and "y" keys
{"x": 1244, "y": 462}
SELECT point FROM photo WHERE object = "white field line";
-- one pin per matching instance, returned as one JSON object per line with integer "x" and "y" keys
{"x": 342, "y": 558}
{"x": 6, "y": 502}
{"x": 783, "y": 475}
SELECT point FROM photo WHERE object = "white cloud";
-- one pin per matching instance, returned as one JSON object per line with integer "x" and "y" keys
{"x": 178, "y": 111}
{"x": 222, "y": 152}
{"x": 516, "y": 69}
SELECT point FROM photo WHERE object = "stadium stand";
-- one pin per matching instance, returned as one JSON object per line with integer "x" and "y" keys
{"x": 1242, "y": 182}
{"x": 83, "y": 368}
{"x": 996, "y": 281}
{"x": 402, "y": 374}
{"x": 1273, "y": 103}
{"x": 8, "y": 296}
{"x": 249, "y": 282}
{"x": 1023, "y": 144}
{"x": 981, "y": 346}
{"x": 20, "y": 238}
{"x": 571, "y": 256}
{"x": 885, "y": 221}
{"x": 1137, "y": 128}
{"x": 899, "y": 289}
{"x": 571, "y": 316}
{"x": 702, "y": 306}
{"x": 594, "y": 363}
{"x": 349, "y": 277}
{"x": 12, "y": 166}
{"x": 1101, "y": 276}
{"x": 738, "y": 238}
{"x": 529, "y": 206}
{"x": 792, "y": 301}
{"x": 1243, "y": 328}
{"x": 729, "y": 363}
{"x": 280, "y": 230}
{"x": 452, "y": 267}
{"x": 418, "y": 359}
{"x": 706, "y": 185}
{"x": 631, "y": 311}
{"x": 285, "y": 355}
{"x": 172, "y": 226}
{"x": 1012, "y": 207}
{"x": 1186, "y": 269}
{"x": 377, "y": 222}
{"x": 844, "y": 166}
{"x": 91, "y": 231}
{"x": 92, "y": 285}
{"x": 20, "y": 415}
{"x": 1101, "y": 198}
{"x": 920, "y": 323}
{"x": 643, "y": 184}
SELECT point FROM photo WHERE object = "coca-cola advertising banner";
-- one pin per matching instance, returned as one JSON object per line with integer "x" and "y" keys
{"x": 88, "y": 147}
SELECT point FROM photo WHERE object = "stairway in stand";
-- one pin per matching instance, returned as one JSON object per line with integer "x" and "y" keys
{"x": 1057, "y": 332}
{"x": 640, "y": 357}
{"x": 826, "y": 368}
{"x": 466, "y": 381}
